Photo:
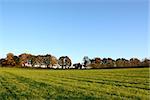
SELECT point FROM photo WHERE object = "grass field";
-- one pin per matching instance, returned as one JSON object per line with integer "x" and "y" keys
{"x": 106, "y": 84}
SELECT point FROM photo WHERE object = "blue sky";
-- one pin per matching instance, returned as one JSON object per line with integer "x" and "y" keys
{"x": 103, "y": 28}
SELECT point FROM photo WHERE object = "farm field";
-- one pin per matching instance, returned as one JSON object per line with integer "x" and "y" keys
{"x": 108, "y": 84}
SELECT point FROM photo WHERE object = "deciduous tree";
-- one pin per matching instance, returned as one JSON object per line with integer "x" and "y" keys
{"x": 23, "y": 59}
{"x": 10, "y": 59}
{"x": 64, "y": 61}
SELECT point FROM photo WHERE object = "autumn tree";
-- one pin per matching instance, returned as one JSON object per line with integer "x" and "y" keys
{"x": 97, "y": 60}
{"x": 95, "y": 63}
{"x": 23, "y": 59}
{"x": 110, "y": 62}
{"x": 104, "y": 63}
{"x": 54, "y": 60}
{"x": 10, "y": 59}
{"x": 134, "y": 62}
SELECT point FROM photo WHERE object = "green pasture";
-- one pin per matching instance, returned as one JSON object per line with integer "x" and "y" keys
{"x": 105, "y": 84}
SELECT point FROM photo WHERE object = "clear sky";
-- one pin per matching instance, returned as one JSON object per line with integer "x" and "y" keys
{"x": 77, "y": 28}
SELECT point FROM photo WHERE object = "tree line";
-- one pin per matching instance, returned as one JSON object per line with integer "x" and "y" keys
{"x": 64, "y": 62}
{"x": 118, "y": 63}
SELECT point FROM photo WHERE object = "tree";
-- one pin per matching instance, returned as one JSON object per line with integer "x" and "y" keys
{"x": 68, "y": 61}
{"x": 145, "y": 63}
{"x": 77, "y": 66}
{"x": 39, "y": 60}
{"x": 10, "y": 59}
{"x": 119, "y": 62}
{"x": 54, "y": 60}
{"x": 97, "y": 60}
{"x": 16, "y": 59}
{"x": 110, "y": 62}
{"x": 61, "y": 62}
{"x": 3, "y": 62}
{"x": 134, "y": 62}
{"x": 104, "y": 63}
{"x": 86, "y": 61}
{"x": 95, "y": 63}
{"x": 23, "y": 59}
{"x": 64, "y": 61}
{"x": 47, "y": 60}
{"x": 32, "y": 60}
{"x": 122, "y": 62}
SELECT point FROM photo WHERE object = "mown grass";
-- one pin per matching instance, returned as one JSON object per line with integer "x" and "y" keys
{"x": 117, "y": 84}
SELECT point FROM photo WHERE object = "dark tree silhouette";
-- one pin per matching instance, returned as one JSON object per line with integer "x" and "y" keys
{"x": 64, "y": 61}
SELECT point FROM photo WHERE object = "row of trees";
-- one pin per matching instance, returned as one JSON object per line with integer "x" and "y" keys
{"x": 111, "y": 63}
{"x": 28, "y": 60}
{"x": 49, "y": 61}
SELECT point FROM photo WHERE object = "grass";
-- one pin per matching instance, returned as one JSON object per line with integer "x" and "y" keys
{"x": 35, "y": 84}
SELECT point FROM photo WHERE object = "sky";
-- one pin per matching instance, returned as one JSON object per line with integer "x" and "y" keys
{"x": 76, "y": 28}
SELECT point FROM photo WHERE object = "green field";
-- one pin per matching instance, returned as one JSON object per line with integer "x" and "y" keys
{"x": 106, "y": 84}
